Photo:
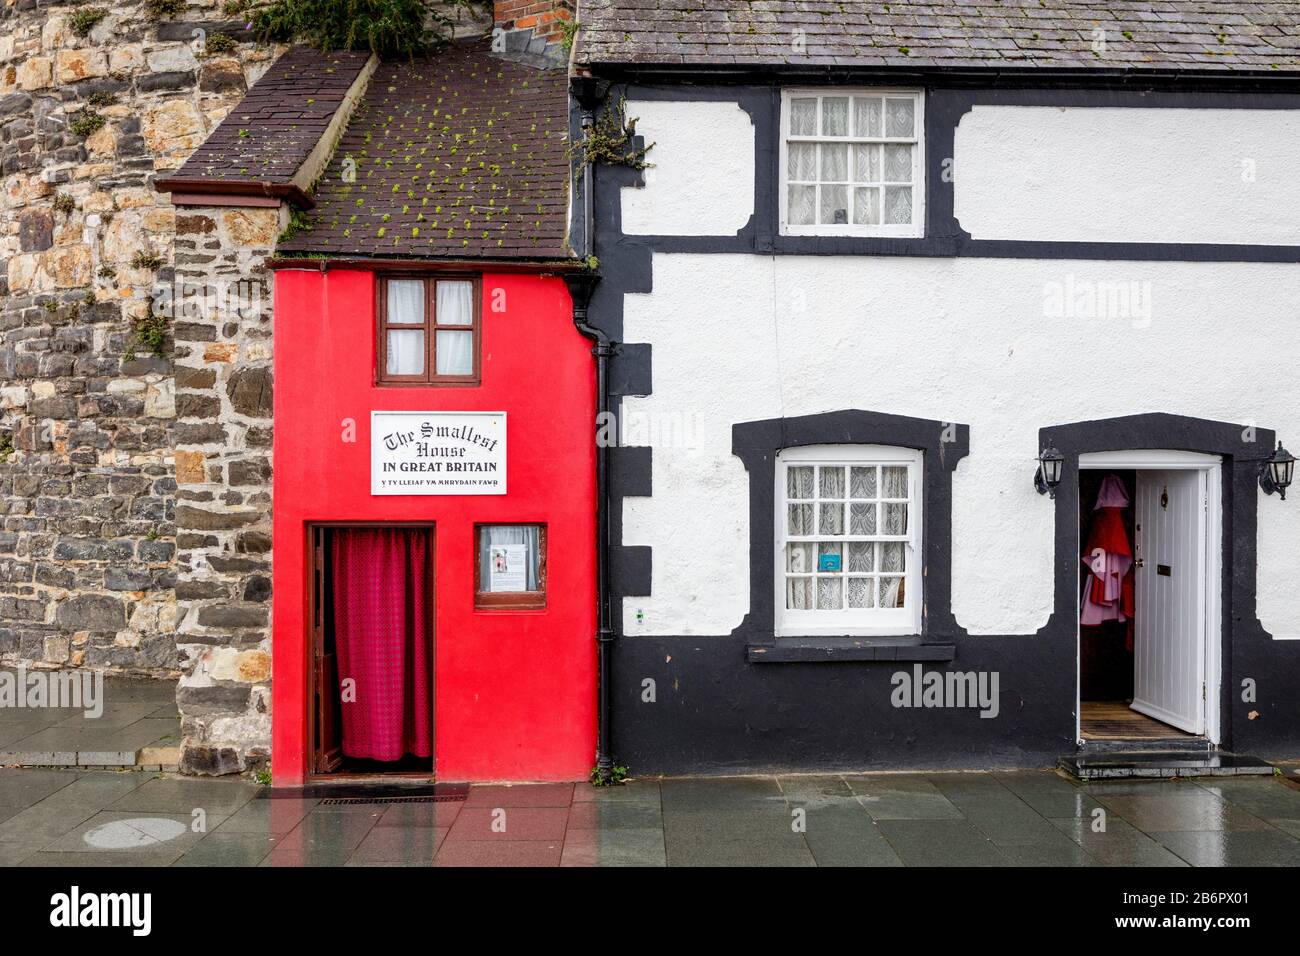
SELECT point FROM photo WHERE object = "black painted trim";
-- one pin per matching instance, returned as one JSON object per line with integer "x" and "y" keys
{"x": 944, "y": 236}
{"x": 824, "y": 650}
{"x": 942, "y": 445}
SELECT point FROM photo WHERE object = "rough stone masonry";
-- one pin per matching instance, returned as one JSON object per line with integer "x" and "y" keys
{"x": 134, "y": 458}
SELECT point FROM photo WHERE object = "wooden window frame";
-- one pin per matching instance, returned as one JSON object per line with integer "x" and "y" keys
{"x": 510, "y": 600}
{"x": 430, "y": 328}
{"x": 914, "y": 229}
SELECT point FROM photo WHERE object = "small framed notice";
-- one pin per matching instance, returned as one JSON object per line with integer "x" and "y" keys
{"x": 508, "y": 567}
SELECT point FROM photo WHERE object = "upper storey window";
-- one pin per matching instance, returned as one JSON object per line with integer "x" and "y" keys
{"x": 428, "y": 331}
{"x": 851, "y": 163}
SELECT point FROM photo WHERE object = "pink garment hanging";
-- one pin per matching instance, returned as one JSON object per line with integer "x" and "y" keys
{"x": 381, "y": 633}
{"x": 1108, "y": 555}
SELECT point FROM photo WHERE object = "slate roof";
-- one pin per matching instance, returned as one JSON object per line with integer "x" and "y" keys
{"x": 273, "y": 129}
{"x": 1188, "y": 35}
{"x": 461, "y": 154}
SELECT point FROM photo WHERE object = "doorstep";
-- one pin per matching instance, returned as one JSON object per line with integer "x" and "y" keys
{"x": 1156, "y": 765}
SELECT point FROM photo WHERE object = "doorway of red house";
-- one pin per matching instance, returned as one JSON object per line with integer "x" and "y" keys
{"x": 372, "y": 672}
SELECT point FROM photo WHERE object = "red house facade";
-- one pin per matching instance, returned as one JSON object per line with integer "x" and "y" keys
{"x": 513, "y": 686}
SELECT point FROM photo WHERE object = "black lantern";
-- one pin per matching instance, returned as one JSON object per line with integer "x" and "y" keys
{"x": 1048, "y": 475}
{"x": 1277, "y": 472}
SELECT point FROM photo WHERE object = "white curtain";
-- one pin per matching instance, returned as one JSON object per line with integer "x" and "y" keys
{"x": 405, "y": 301}
{"x": 455, "y": 303}
{"x": 405, "y": 352}
{"x": 455, "y": 353}
{"x": 525, "y": 534}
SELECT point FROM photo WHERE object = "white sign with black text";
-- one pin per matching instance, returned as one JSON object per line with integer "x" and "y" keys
{"x": 437, "y": 453}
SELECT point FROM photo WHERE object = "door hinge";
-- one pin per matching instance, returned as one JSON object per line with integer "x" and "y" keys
{"x": 1203, "y": 690}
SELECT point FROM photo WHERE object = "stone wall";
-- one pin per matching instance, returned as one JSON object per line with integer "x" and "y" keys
{"x": 95, "y": 428}
{"x": 223, "y": 473}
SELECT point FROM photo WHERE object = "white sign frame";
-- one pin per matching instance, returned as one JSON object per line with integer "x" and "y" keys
{"x": 392, "y": 462}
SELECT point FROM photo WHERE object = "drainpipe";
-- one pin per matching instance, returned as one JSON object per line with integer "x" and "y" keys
{"x": 581, "y": 286}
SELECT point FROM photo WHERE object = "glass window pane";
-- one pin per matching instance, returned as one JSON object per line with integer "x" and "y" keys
{"x": 802, "y": 207}
{"x": 895, "y": 519}
{"x": 803, "y": 117}
{"x": 861, "y": 593}
{"x": 891, "y": 592}
{"x": 862, "y": 482}
{"x": 862, "y": 557}
{"x": 799, "y": 482}
{"x": 799, "y": 558}
{"x": 802, "y": 162}
{"x": 405, "y": 352}
{"x": 799, "y": 594}
{"x": 898, "y": 205}
{"x": 834, "y": 162}
{"x": 830, "y": 594}
{"x": 898, "y": 163}
{"x": 800, "y": 519}
{"x": 405, "y": 301}
{"x": 454, "y": 353}
{"x": 509, "y": 557}
{"x": 834, "y": 205}
{"x": 900, "y": 117}
{"x": 866, "y": 116}
{"x": 835, "y": 116}
{"x": 893, "y": 481}
{"x": 862, "y": 518}
{"x": 455, "y": 303}
{"x": 831, "y": 483}
{"x": 830, "y": 519}
{"x": 892, "y": 559}
{"x": 830, "y": 557}
{"x": 866, "y": 163}
{"x": 866, "y": 206}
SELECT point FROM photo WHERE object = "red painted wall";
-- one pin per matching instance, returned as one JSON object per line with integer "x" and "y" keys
{"x": 515, "y": 689}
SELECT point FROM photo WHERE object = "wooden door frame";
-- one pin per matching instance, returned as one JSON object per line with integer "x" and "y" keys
{"x": 1211, "y": 467}
{"x": 312, "y": 775}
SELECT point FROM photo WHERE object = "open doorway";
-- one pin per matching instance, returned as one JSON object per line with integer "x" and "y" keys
{"x": 372, "y": 673}
{"x": 1148, "y": 597}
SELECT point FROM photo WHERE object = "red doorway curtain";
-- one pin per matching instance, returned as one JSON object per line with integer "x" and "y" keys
{"x": 381, "y": 634}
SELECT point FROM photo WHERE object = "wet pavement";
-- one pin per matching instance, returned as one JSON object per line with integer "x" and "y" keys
{"x": 135, "y": 725}
{"x": 62, "y": 817}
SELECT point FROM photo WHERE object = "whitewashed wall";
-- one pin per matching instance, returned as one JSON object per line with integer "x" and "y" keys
{"x": 980, "y": 341}
{"x": 740, "y": 338}
{"x": 1128, "y": 175}
{"x": 700, "y": 181}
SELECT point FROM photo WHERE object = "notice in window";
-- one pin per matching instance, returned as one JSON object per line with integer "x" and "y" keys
{"x": 437, "y": 453}
{"x": 508, "y": 567}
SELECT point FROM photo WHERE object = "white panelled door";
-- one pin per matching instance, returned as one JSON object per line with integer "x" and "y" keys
{"x": 1170, "y": 631}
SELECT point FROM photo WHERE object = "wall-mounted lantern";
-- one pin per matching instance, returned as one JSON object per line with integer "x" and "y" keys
{"x": 1048, "y": 475}
{"x": 1276, "y": 472}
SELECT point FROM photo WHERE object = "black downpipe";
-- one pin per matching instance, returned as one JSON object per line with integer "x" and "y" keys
{"x": 581, "y": 286}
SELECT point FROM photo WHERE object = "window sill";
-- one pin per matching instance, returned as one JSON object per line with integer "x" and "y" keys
{"x": 798, "y": 650}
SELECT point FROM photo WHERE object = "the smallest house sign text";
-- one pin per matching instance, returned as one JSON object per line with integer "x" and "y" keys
{"x": 437, "y": 453}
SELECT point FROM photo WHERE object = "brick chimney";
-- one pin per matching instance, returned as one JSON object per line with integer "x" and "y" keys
{"x": 531, "y": 27}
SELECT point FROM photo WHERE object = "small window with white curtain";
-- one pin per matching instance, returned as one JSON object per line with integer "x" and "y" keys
{"x": 428, "y": 331}
{"x": 848, "y": 523}
{"x": 851, "y": 163}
